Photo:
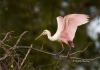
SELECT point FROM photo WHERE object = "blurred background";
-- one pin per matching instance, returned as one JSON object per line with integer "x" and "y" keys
{"x": 35, "y": 16}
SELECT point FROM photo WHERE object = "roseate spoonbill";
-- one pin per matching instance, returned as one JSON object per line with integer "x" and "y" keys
{"x": 67, "y": 27}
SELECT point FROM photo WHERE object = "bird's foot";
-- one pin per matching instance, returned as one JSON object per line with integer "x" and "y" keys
{"x": 57, "y": 55}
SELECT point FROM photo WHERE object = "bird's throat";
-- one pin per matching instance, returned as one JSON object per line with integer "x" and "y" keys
{"x": 51, "y": 38}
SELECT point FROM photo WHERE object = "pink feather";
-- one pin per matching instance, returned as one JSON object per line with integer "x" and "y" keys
{"x": 67, "y": 26}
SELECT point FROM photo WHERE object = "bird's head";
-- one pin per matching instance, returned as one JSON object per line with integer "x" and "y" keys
{"x": 45, "y": 32}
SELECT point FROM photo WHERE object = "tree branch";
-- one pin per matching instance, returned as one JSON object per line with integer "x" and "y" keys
{"x": 62, "y": 56}
{"x": 4, "y": 57}
{"x": 82, "y": 50}
{"x": 11, "y": 50}
{"x": 8, "y": 33}
{"x": 8, "y": 51}
{"x": 19, "y": 39}
{"x": 25, "y": 56}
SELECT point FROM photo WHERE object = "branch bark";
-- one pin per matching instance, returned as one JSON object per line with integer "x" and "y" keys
{"x": 8, "y": 52}
{"x": 25, "y": 56}
{"x": 7, "y": 34}
{"x": 19, "y": 39}
{"x": 62, "y": 56}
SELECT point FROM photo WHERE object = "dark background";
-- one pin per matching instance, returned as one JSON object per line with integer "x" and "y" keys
{"x": 35, "y": 16}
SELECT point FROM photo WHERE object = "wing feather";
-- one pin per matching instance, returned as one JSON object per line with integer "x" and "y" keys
{"x": 71, "y": 22}
{"x": 60, "y": 24}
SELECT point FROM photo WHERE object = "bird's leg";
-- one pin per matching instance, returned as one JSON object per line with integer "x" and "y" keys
{"x": 69, "y": 53}
{"x": 62, "y": 48}
{"x": 57, "y": 55}
{"x": 70, "y": 44}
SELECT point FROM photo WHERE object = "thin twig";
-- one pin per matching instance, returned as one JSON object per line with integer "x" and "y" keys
{"x": 36, "y": 50}
{"x": 4, "y": 57}
{"x": 42, "y": 47}
{"x": 7, "y": 35}
{"x": 26, "y": 56}
{"x": 19, "y": 39}
{"x": 6, "y": 44}
{"x": 82, "y": 50}
{"x": 2, "y": 41}
{"x": 8, "y": 51}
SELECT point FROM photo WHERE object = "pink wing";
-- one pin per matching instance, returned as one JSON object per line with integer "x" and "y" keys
{"x": 60, "y": 24}
{"x": 71, "y": 22}
{"x": 77, "y": 19}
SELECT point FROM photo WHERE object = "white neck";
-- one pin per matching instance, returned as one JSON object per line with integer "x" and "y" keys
{"x": 52, "y": 38}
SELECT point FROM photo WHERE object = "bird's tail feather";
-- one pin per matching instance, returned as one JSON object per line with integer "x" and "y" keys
{"x": 71, "y": 44}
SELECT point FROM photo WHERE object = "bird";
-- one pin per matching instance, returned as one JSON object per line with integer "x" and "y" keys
{"x": 66, "y": 29}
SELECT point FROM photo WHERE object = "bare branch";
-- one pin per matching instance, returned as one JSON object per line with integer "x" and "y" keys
{"x": 7, "y": 35}
{"x": 82, "y": 50}
{"x": 42, "y": 47}
{"x": 19, "y": 39}
{"x": 6, "y": 44}
{"x": 62, "y": 56}
{"x": 11, "y": 51}
{"x": 26, "y": 56}
{"x": 39, "y": 50}
{"x": 8, "y": 51}
{"x": 2, "y": 41}
{"x": 4, "y": 57}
